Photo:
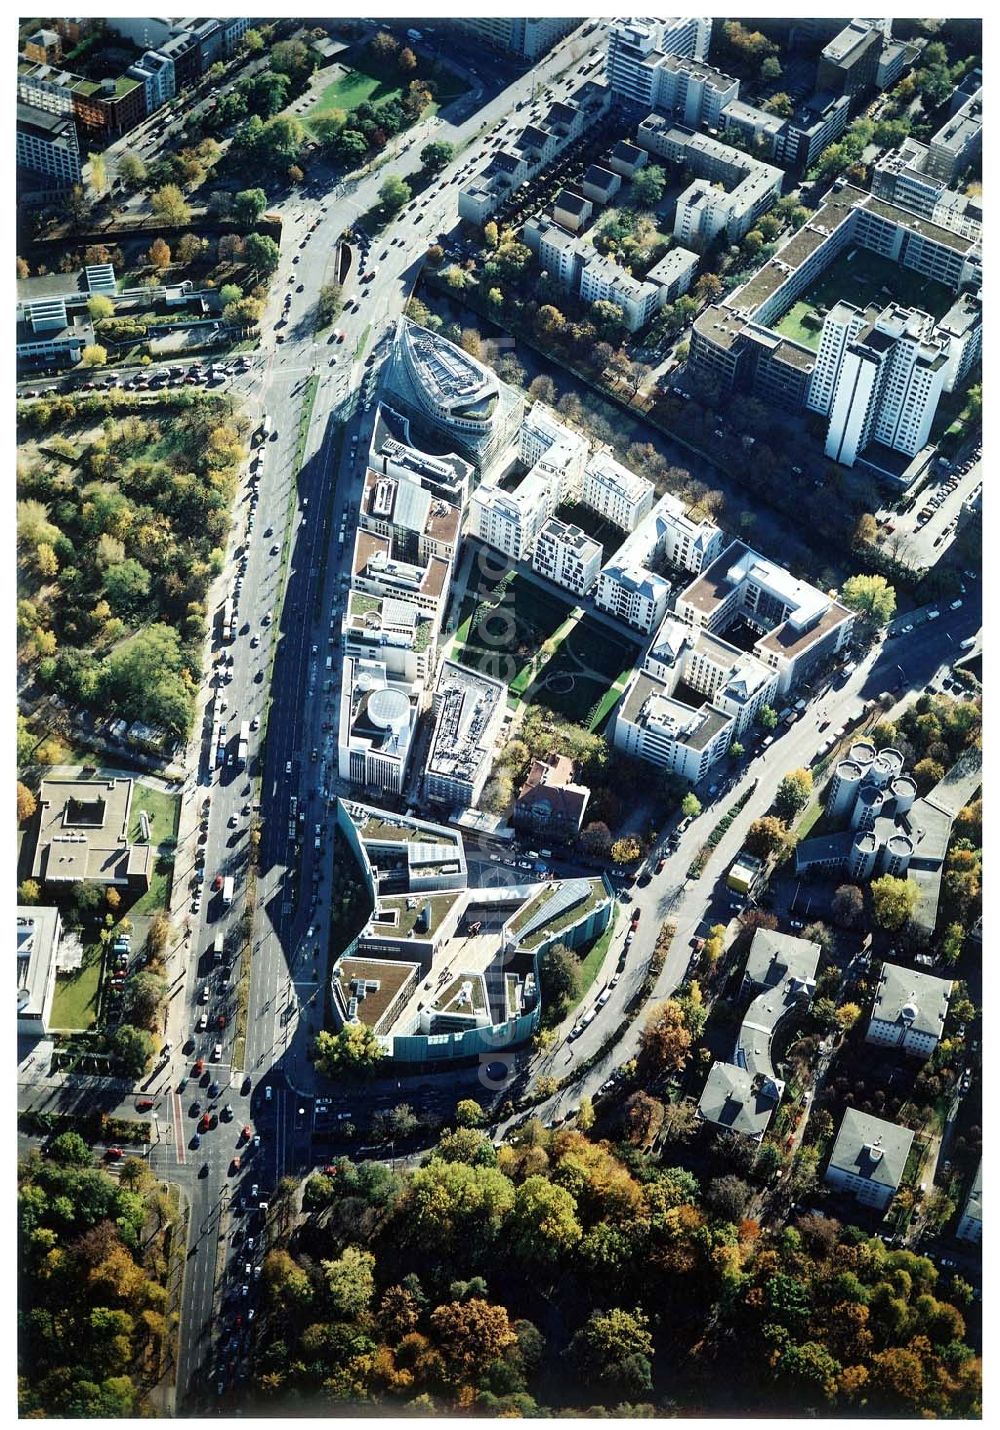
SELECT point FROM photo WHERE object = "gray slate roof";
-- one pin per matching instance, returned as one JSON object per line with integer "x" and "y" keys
{"x": 868, "y": 1147}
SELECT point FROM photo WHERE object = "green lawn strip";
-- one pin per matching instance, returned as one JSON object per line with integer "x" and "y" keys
{"x": 243, "y": 987}
{"x": 362, "y": 341}
{"x": 157, "y": 896}
{"x": 331, "y": 493}
{"x": 608, "y": 702}
{"x": 594, "y": 961}
{"x": 74, "y": 1002}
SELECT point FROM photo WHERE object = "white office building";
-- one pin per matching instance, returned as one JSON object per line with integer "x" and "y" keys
{"x": 39, "y": 931}
{"x": 510, "y": 521}
{"x": 567, "y": 556}
{"x": 469, "y": 711}
{"x": 377, "y": 719}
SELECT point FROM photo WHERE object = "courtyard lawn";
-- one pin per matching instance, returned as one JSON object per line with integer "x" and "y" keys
{"x": 585, "y": 676}
{"x": 501, "y": 628}
{"x": 164, "y": 813}
{"x": 860, "y": 277}
{"x": 591, "y": 965}
{"x": 74, "y": 1002}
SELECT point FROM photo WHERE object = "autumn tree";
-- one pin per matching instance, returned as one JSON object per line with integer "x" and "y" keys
{"x": 26, "y": 803}
{"x": 893, "y": 901}
{"x": 159, "y": 253}
{"x": 665, "y": 1042}
{"x": 169, "y": 204}
{"x": 848, "y": 906}
{"x": 625, "y": 850}
{"x": 690, "y": 805}
{"x": 543, "y": 1225}
{"x": 871, "y": 596}
{"x": 614, "y": 1348}
{"x": 471, "y": 1335}
{"x": 94, "y": 355}
{"x": 793, "y": 793}
{"x": 766, "y": 836}
{"x": 643, "y": 1120}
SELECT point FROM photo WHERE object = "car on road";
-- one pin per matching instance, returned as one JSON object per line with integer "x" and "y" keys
{"x": 114, "y": 1154}
{"x": 217, "y": 1053}
{"x": 956, "y": 604}
{"x": 196, "y": 1141}
{"x": 658, "y": 869}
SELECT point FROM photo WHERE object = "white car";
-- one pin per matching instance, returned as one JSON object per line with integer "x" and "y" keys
{"x": 956, "y": 605}
{"x": 217, "y": 1053}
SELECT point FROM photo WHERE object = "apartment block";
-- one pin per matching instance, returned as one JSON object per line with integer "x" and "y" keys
{"x": 909, "y": 1011}
{"x": 48, "y": 144}
{"x": 795, "y": 142}
{"x": 889, "y": 379}
{"x": 633, "y": 595}
{"x": 527, "y": 39}
{"x": 572, "y": 210}
{"x": 614, "y": 492}
{"x": 801, "y": 624}
{"x": 566, "y": 555}
{"x": 599, "y": 184}
{"x": 902, "y": 177}
{"x": 750, "y": 187}
{"x": 532, "y": 150}
{"x": 970, "y": 1224}
{"x": 157, "y": 75}
{"x": 693, "y": 92}
{"x": 868, "y": 1158}
{"x": 468, "y": 711}
{"x": 545, "y": 435}
{"x": 378, "y": 715}
{"x": 849, "y": 63}
{"x": 511, "y": 521}
{"x": 651, "y": 725}
{"x": 959, "y": 140}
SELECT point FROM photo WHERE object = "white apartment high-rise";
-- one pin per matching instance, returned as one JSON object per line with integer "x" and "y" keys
{"x": 637, "y": 48}
{"x": 889, "y": 380}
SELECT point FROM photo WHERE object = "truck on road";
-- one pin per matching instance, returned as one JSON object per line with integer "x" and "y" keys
{"x": 227, "y": 890}
{"x": 243, "y": 748}
{"x": 218, "y": 946}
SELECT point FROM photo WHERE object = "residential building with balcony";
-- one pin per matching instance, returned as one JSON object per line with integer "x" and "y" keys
{"x": 617, "y": 494}
{"x": 566, "y": 555}
{"x": 633, "y": 595}
{"x": 157, "y": 75}
{"x": 959, "y": 140}
{"x": 639, "y": 48}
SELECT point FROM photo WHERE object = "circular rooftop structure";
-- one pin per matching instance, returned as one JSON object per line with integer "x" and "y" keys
{"x": 388, "y": 709}
{"x": 862, "y": 752}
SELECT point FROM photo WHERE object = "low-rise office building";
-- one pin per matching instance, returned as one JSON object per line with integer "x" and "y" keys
{"x": 391, "y": 630}
{"x": 84, "y": 836}
{"x": 469, "y": 711}
{"x": 909, "y": 1011}
{"x": 868, "y": 1158}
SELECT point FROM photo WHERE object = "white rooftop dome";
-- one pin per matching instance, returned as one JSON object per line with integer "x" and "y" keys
{"x": 389, "y": 709}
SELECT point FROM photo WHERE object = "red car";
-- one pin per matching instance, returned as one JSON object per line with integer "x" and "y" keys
{"x": 205, "y": 1122}
{"x": 217, "y": 882}
{"x": 247, "y": 1132}
{"x": 199, "y": 1067}
{"x": 236, "y": 1164}
{"x": 144, "y": 1104}
{"x": 114, "y": 1154}
{"x": 221, "y": 1020}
